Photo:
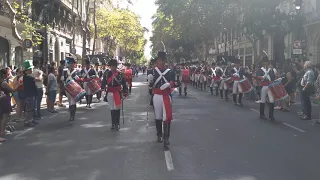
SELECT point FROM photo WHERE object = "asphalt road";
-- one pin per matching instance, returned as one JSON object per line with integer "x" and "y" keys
{"x": 210, "y": 140}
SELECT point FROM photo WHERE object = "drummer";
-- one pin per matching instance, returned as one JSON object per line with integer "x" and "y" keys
{"x": 223, "y": 84}
{"x": 88, "y": 74}
{"x": 237, "y": 74}
{"x": 98, "y": 72}
{"x": 115, "y": 84}
{"x": 71, "y": 73}
{"x": 266, "y": 76}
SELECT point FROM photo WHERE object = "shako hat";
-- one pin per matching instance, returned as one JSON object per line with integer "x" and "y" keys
{"x": 162, "y": 55}
{"x": 113, "y": 62}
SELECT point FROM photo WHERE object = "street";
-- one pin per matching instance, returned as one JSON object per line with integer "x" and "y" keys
{"x": 210, "y": 140}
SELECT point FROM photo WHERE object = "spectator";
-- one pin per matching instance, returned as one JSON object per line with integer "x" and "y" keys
{"x": 61, "y": 86}
{"x": 30, "y": 90}
{"x": 52, "y": 89}
{"x": 38, "y": 75}
{"x": 307, "y": 84}
{"x": 17, "y": 81}
{"x": 5, "y": 106}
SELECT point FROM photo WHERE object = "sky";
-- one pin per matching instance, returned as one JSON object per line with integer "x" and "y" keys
{"x": 145, "y": 9}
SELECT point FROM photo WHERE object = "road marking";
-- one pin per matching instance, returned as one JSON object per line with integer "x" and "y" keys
{"x": 255, "y": 110}
{"x": 23, "y": 133}
{"x": 286, "y": 124}
{"x": 167, "y": 155}
{"x": 293, "y": 127}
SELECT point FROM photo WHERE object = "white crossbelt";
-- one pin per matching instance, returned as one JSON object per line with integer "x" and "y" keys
{"x": 161, "y": 76}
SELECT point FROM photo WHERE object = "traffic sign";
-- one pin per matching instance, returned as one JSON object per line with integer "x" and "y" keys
{"x": 297, "y": 51}
{"x": 297, "y": 44}
{"x": 27, "y": 43}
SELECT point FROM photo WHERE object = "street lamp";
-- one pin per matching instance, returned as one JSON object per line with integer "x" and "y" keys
{"x": 298, "y": 4}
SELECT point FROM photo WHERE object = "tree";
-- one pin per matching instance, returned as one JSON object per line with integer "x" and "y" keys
{"x": 20, "y": 15}
{"x": 123, "y": 27}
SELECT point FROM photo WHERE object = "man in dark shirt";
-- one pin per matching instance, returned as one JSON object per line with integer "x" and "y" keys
{"x": 30, "y": 91}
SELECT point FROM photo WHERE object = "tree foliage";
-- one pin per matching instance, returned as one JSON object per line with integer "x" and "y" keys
{"x": 123, "y": 27}
{"x": 20, "y": 15}
{"x": 190, "y": 24}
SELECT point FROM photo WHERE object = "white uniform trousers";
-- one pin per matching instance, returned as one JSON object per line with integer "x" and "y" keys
{"x": 235, "y": 88}
{"x": 159, "y": 109}
{"x": 265, "y": 92}
{"x": 86, "y": 88}
{"x": 223, "y": 85}
{"x": 71, "y": 100}
{"x": 111, "y": 102}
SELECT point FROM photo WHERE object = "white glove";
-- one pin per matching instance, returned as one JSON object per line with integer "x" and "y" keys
{"x": 236, "y": 75}
{"x": 165, "y": 86}
{"x": 62, "y": 78}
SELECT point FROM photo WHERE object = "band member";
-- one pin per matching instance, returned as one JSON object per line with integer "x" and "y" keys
{"x": 237, "y": 74}
{"x": 69, "y": 74}
{"x": 184, "y": 79}
{"x": 98, "y": 77}
{"x": 177, "y": 75}
{"x": 88, "y": 74}
{"x": 128, "y": 76}
{"x": 217, "y": 79}
{"x": 163, "y": 81}
{"x": 116, "y": 88}
{"x": 224, "y": 84}
{"x": 203, "y": 79}
{"x": 266, "y": 76}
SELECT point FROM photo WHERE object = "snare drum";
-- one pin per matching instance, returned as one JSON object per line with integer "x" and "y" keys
{"x": 245, "y": 86}
{"x": 228, "y": 81}
{"x": 74, "y": 90}
{"x": 277, "y": 90}
{"x": 94, "y": 86}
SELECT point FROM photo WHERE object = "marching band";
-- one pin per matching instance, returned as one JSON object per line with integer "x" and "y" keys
{"x": 221, "y": 78}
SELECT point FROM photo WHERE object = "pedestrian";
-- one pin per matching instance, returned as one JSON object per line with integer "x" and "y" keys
{"x": 112, "y": 82}
{"x": 52, "y": 89}
{"x": 266, "y": 76}
{"x": 162, "y": 102}
{"x": 30, "y": 91}
{"x": 224, "y": 86}
{"x": 71, "y": 75}
{"x": 307, "y": 83}
{"x": 38, "y": 77}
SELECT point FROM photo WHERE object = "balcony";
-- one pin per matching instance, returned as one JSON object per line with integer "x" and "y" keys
{"x": 68, "y": 4}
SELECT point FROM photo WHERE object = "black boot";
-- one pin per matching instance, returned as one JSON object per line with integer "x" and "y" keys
{"x": 117, "y": 120}
{"x": 166, "y": 128}
{"x": 180, "y": 91}
{"x": 90, "y": 100}
{"x": 87, "y": 100}
{"x": 240, "y": 99}
{"x": 185, "y": 91}
{"x": 113, "y": 122}
{"x": 217, "y": 91}
{"x": 262, "y": 116}
{"x": 211, "y": 90}
{"x": 72, "y": 110}
{"x": 271, "y": 110}
{"x": 201, "y": 86}
{"x": 226, "y": 97}
{"x": 159, "y": 130}
{"x": 221, "y": 94}
{"x": 130, "y": 90}
{"x": 234, "y": 96}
